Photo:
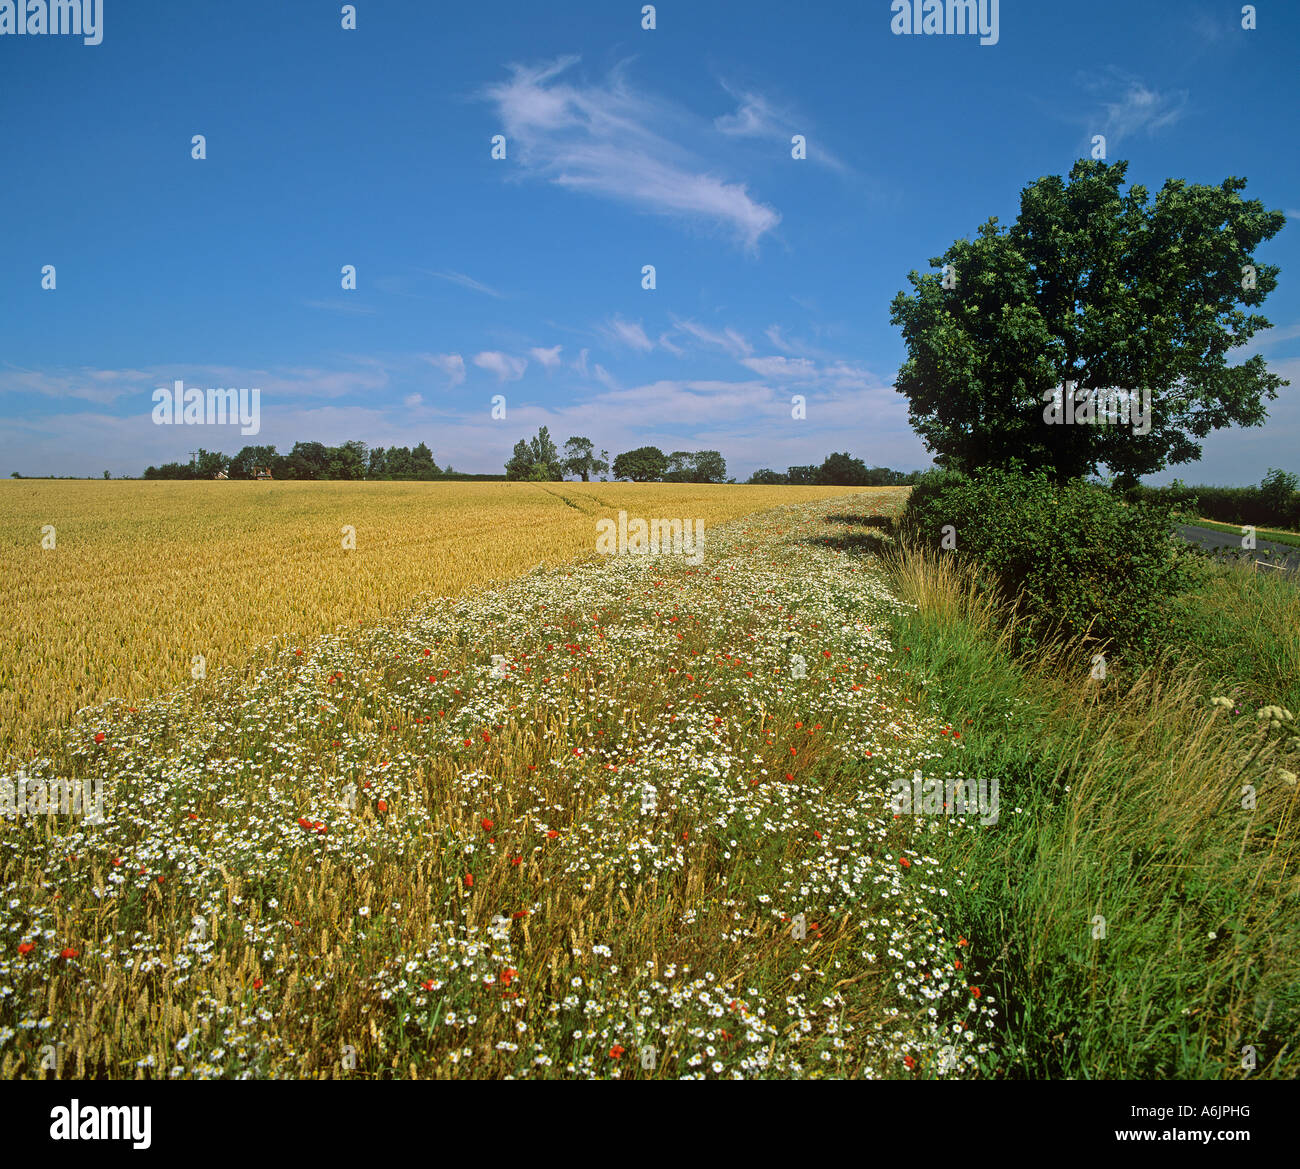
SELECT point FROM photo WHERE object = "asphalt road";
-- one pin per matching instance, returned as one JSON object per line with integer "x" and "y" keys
{"x": 1269, "y": 557}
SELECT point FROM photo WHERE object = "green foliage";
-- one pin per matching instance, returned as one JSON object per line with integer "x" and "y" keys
{"x": 1073, "y": 557}
{"x": 536, "y": 461}
{"x": 695, "y": 467}
{"x": 580, "y": 459}
{"x": 646, "y": 464}
{"x": 1274, "y": 503}
{"x": 843, "y": 470}
{"x": 1102, "y": 289}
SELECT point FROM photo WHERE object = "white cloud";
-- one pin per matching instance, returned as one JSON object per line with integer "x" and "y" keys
{"x": 756, "y": 117}
{"x": 547, "y": 358}
{"x": 728, "y": 339}
{"x": 452, "y": 364}
{"x": 467, "y": 282}
{"x": 1137, "y": 107}
{"x": 782, "y": 368}
{"x": 581, "y": 364}
{"x": 608, "y": 141}
{"x": 507, "y": 368}
{"x": 628, "y": 333}
{"x": 412, "y": 400}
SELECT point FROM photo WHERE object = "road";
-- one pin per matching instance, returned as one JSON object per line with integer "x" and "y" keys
{"x": 1285, "y": 556}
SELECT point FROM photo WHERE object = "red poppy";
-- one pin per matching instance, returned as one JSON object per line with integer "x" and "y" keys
{"x": 469, "y": 880}
{"x": 552, "y": 834}
{"x": 26, "y": 947}
{"x": 975, "y": 990}
{"x": 508, "y": 975}
{"x": 521, "y": 913}
{"x": 517, "y": 860}
{"x": 486, "y": 824}
{"x": 99, "y": 737}
{"x": 616, "y": 1052}
{"x": 902, "y": 860}
{"x": 427, "y": 985}
{"x": 257, "y": 984}
{"x": 68, "y": 953}
{"x": 909, "y": 1062}
{"x": 382, "y": 805}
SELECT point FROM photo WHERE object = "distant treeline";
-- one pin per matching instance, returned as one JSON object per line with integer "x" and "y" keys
{"x": 838, "y": 470}
{"x": 1275, "y": 503}
{"x": 314, "y": 460}
{"x": 536, "y": 460}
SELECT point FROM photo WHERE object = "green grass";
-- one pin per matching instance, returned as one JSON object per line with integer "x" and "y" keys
{"x": 1135, "y": 919}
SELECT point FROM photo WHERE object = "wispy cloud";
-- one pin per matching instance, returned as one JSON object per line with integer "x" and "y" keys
{"x": 452, "y": 364}
{"x": 548, "y": 359}
{"x": 106, "y": 386}
{"x": 782, "y": 368}
{"x": 1136, "y": 108}
{"x": 466, "y": 282}
{"x": 757, "y": 117}
{"x": 507, "y": 368}
{"x": 607, "y": 140}
{"x": 628, "y": 333}
{"x": 728, "y": 339}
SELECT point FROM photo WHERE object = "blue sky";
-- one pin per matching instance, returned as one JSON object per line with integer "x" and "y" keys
{"x": 522, "y": 276}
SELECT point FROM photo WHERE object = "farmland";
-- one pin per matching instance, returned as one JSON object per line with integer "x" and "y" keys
{"x": 636, "y": 817}
{"x": 600, "y": 821}
{"x": 145, "y": 577}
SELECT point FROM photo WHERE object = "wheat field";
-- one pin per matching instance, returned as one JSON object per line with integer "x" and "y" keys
{"x": 145, "y": 577}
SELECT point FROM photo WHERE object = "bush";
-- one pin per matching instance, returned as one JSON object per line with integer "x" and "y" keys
{"x": 1072, "y": 558}
{"x": 1275, "y": 503}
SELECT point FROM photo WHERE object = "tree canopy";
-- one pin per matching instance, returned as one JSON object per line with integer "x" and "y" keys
{"x": 1102, "y": 289}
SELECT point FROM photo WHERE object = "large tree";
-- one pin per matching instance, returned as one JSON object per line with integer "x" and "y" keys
{"x": 1104, "y": 290}
{"x": 843, "y": 470}
{"x": 536, "y": 460}
{"x": 643, "y": 465}
{"x": 580, "y": 458}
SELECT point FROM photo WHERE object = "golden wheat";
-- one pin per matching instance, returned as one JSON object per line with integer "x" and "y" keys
{"x": 144, "y": 577}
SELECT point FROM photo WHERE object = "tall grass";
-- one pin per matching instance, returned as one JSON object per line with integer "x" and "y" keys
{"x": 1139, "y": 917}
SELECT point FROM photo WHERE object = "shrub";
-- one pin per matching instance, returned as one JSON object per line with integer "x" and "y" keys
{"x": 1073, "y": 558}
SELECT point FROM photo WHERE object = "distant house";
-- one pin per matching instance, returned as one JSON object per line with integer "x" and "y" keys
{"x": 221, "y": 475}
